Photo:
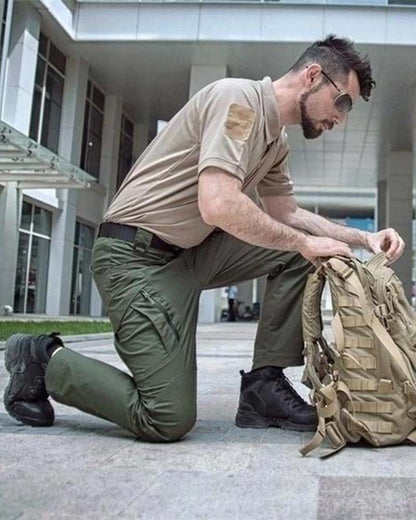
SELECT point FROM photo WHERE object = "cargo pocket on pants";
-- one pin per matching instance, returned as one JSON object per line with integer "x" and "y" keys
{"x": 160, "y": 317}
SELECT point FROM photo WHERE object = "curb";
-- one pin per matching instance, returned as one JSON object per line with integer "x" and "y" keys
{"x": 78, "y": 338}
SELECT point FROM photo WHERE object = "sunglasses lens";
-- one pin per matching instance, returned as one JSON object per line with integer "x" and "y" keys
{"x": 343, "y": 103}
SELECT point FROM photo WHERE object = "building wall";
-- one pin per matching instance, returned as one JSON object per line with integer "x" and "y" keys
{"x": 67, "y": 205}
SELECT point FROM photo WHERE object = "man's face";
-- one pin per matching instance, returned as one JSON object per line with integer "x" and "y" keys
{"x": 317, "y": 109}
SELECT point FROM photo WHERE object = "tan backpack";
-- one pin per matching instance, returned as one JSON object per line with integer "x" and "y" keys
{"x": 364, "y": 382}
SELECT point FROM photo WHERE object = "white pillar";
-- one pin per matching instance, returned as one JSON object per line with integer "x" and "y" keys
{"x": 19, "y": 84}
{"x": 21, "y": 66}
{"x": 202, "y": 75}
{"x": 380, "y": 216}
{"x": 63, "y": 228}
{"x": 10, "y": 207}
{"x": 399, "y": 210}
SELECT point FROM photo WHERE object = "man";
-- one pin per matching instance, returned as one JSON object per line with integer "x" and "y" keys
{"x": 184, "y": 221}
{"x": 232, "y": 292}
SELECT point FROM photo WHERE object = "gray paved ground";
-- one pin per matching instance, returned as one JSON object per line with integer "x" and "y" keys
{"x": 84, "y": 468}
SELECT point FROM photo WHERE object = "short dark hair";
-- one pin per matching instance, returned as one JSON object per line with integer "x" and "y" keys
{"x": 338, "y": 56}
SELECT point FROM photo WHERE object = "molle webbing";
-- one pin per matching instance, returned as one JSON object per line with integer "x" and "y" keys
{"x": 384, "y": 386}
{"x": 363, "y": 383}
{"x": 369, "y": 407}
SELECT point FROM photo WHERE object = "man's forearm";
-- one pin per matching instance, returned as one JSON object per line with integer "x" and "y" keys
{"x": 244, "y": 220}
{"x": 320, "y": 226}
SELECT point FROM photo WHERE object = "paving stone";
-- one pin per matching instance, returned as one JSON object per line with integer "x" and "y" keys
{"x": 87, "y": 468}
{"x": 346, "y": 498}
{"x": 227, "y": 496}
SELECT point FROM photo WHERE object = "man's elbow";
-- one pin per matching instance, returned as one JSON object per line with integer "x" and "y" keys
{"x": 212, "y": 211}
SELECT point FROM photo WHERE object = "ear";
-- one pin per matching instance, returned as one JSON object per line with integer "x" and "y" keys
{"x": 312, "y": 74}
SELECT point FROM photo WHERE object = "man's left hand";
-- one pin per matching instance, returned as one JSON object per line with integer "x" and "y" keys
{"x": 387, "y": 240}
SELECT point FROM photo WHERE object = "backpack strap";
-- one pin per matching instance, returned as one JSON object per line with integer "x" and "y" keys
{"x": 312, "y": 325}
{"x": 377, "y": 261}
{"x": 412, "y": 437}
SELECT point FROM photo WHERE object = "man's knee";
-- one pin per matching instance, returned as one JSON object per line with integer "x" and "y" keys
{"x": 165, "y": 421}
{"x": 174, "y": 432}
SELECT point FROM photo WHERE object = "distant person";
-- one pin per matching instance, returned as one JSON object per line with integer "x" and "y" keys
{"x": 232, "y": 292}
{"x": 183, "y": 221}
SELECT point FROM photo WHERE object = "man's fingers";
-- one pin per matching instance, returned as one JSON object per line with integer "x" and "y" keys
{"x": 397, "y": 251}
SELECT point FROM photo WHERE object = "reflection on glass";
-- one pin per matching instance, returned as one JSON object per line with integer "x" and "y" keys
{"x": 48, "y": 93}
{"x": 38, "y": 276}
{"x": 26, "y": 217}
{"x": 22, "y": 257}
{"x": 81, "y": 274}
{"x": 73, "y": 307}
{"x": 42, "y": 222}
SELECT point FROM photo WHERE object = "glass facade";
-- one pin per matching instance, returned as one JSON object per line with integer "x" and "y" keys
{"x": 33, "y": 259}
{"x": 48, "y": 95}
{"x": 93, "y": 130}
{"x": 125, "y": 157}
{"x": 81, "y": 274}
{"x": 3, "y": 27}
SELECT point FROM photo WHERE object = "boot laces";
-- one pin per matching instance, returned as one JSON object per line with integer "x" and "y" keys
{"x": 284, "y": 384}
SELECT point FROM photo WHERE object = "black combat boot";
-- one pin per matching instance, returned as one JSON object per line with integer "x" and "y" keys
{"x": 25, "y": 397}
{"x": 268, "y": 399}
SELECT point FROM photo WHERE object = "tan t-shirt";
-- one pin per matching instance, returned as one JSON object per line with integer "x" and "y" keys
{"x": 232, "y": 124}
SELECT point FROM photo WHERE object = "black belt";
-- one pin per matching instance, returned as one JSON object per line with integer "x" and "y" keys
{"x": 128, "y": 233}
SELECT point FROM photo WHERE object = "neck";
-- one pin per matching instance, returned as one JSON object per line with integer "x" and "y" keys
{"x": 286, "y": 91}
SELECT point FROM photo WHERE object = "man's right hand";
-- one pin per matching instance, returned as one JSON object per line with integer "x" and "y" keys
{"x": 315, "y": 249}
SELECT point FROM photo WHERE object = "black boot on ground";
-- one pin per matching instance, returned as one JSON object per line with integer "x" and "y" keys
{"x": 268, "y": 399}
{"x": 25, "y": 397}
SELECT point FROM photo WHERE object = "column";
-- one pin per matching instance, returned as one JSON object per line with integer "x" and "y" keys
{"x": 381, "y": 196}
{"x": 202, "y": 75}
{"x": 21, "y": 67}
{"x": 63, "y": 228}
{"x": 399, "y": 210}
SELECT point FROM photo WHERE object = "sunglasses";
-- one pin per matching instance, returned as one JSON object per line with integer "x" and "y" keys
{"x": 343, "y": 102}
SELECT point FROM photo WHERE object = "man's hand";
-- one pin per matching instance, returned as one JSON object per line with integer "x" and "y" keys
{"x": 387, "y": 240}
{"x": 317, "y": 248}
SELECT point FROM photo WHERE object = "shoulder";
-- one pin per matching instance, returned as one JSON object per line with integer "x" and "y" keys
{"x": 236, "y": 90}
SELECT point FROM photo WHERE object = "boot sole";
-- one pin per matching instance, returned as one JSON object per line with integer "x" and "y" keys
{"x": 31, "y": 421}
{"x": 11, "y": 359}
{"x": 251, "y": 420}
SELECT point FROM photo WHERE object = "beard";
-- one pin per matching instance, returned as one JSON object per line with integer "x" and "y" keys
{"x": 311, "y": 128}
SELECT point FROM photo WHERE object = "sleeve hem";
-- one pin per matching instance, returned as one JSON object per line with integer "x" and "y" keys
{"x": 273, "y": 192}
{"x": 218, "y": 162}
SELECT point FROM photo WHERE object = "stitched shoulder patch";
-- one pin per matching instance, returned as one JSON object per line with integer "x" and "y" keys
{"x": 240, "y": 120}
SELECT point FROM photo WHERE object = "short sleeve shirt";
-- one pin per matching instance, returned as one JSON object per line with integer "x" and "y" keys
{"x": 232, "y": 124}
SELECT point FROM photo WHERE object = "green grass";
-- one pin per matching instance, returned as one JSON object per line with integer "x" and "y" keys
{"x": 66, "y": 328}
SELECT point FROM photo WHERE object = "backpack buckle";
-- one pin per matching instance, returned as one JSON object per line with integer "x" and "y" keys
{"x": 382, "y": 313}
{"x": 342, "y": 269}
{"x": 334, "y": 434}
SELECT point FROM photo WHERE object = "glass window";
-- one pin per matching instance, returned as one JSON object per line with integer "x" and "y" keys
{"x": 48, "y": 95}
{"x": 35, "y": 119}
{"x": 43, "y": 45}
{"x": 98, "y": 98}
{"x": 33, "y": 259}
{"x": 38, "y": 275}
{"x": 81, "y": 274}
{"x": 93, "y": 129}
{"x": 42, "y": 221}
{"x": 20, "y": 287}
{"x": 57, "y": 58}
{"x": 26, "y": 217}
{"x": 125, "y": 158}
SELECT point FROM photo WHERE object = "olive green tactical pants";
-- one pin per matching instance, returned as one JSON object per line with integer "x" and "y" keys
{"x": 152, "y": 300}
